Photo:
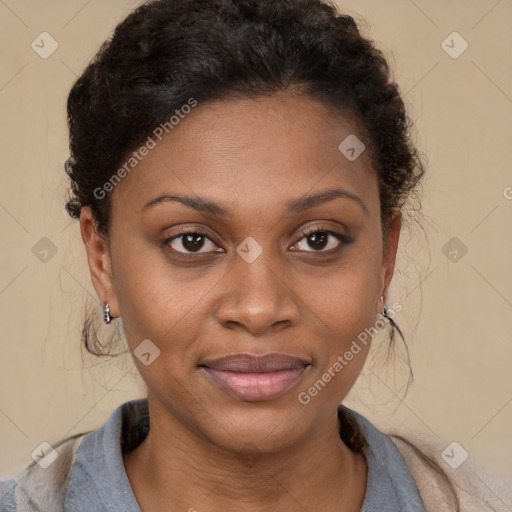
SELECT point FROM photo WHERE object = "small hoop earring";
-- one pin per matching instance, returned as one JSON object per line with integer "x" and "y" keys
{"x": 384, "y": 311}
{"x": 106, "y": 314}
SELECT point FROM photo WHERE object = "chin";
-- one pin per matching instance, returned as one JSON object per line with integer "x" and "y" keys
{"x": 256, "y": 426}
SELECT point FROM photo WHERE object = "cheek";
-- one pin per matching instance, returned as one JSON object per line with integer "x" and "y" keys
{"x": 158, "y": 304}
{"x": 156, "y": 300}
{"x": 344, "y": 298}
{"x": 343, "y": 308}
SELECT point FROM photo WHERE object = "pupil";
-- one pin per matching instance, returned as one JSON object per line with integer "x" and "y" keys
{"x": 318, "y": 240}
{"x": 193, "y": 242}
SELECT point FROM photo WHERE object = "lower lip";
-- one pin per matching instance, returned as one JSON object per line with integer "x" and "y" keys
{"x": 256, "y": 387}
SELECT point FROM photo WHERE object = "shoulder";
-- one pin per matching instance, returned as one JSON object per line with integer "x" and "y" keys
{"x": 42, "y": 485}
{"x": 442, "y": 489}
{"x": 88, "y": 468}
{"x": 7, "y": 498}
{"x": 462, "y": 488}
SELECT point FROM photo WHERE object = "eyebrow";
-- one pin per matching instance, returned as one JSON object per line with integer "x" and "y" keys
{"x": 293, "y": 206}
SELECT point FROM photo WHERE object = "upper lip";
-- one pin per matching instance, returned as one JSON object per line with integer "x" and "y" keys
{"x": 250, "y": 363}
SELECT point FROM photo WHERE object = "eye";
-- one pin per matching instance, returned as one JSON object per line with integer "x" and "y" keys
{"x": 321, "y": 240}
{"x": 189, "y": 242}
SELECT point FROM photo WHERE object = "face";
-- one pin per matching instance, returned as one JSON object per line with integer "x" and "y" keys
{"x": 257, "y": 257}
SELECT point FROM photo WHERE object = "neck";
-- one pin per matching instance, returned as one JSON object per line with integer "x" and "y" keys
{"x": 174, "y": 466}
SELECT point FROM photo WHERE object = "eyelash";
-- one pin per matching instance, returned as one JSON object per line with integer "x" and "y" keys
{"x": 343, "y": 239}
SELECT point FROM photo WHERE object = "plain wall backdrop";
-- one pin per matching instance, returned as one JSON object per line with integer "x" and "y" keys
{"x": 453, "y": 273}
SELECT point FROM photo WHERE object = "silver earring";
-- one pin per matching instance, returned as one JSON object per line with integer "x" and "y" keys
{"x": 106, "y": 314}
{"x": 384, "y": 311}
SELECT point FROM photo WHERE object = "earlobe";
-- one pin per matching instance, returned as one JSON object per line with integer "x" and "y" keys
{"x": 99, "y": 260}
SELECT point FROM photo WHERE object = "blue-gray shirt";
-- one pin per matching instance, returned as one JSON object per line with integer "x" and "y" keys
{"x": 98, "y": 481}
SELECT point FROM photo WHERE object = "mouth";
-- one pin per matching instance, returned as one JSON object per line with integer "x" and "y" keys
{"x": 253, "y": 378}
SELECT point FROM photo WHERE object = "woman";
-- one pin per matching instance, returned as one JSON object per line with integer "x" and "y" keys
{"x": 239, "y": 169}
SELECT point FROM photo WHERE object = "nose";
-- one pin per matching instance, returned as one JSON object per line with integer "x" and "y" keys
{"x": 258, "y": 297}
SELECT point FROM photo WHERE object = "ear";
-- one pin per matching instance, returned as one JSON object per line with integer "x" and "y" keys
{"x": 99, "y": 259}
{"x": 390, "y": 246}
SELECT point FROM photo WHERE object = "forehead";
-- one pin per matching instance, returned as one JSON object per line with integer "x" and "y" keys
{"x": 252, "y": 153}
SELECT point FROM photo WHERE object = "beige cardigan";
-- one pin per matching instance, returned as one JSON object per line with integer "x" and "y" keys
{"x": 41, "y": 490}
{"x": 472, "y": 493}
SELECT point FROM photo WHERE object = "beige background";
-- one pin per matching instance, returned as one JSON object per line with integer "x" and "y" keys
{"x": 457, "y": 315}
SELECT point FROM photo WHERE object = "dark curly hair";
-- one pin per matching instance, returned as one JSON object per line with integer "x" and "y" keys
{"x": 168, "y": 51}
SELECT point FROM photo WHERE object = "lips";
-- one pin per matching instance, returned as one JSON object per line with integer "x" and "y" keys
{"x": 248, "y": 363}
{"x": 255, "y": 377}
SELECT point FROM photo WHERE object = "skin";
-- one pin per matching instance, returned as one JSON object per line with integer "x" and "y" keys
{"x": 252, "y": 156}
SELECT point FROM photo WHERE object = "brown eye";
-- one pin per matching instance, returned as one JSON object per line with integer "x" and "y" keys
{"x": 318, "y": 241}
{"x": 321, "y": 240}
{"x": 190, "y": 242}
